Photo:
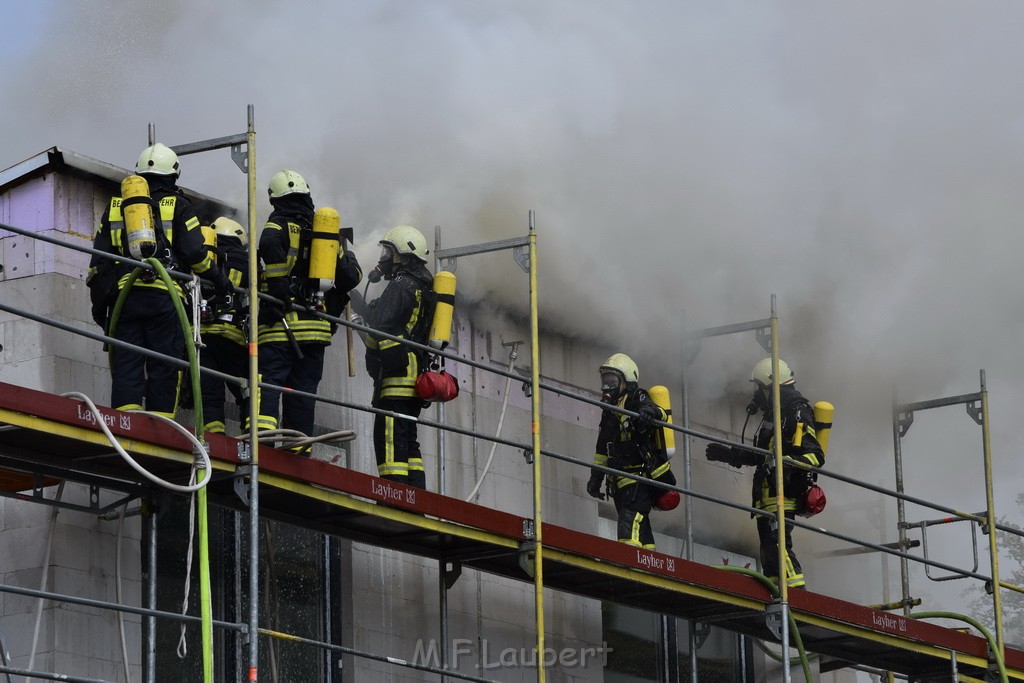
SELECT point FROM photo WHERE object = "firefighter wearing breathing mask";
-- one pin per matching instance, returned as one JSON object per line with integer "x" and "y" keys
{"x": 799, "y": 442}
{"x": 401, "y": 311}
{"x": 293, "y": 340}
{"x": 224, "y": 326}
{"x": 628, "y": 443}
{"x": 170, "y": 233}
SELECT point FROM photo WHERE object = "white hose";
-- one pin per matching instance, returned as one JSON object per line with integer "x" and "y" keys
{"x": 117, "y": 588}
{"x": 46, "y": 570}
{"x": 501, "y": 419}
{"x": 290, "y": 438}
{"x": 182, "y": 645}
{"x": 199, "y": 448}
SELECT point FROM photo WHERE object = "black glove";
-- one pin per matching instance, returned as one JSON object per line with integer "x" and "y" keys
{"x": 667, "y": 478}
{"x": 347, "y": 273}
{"x": 270, "y": 312}
{"x": 645, "y": 415}
{"x": 221, "y": 283}
{"x": 99, "y": 315}
{"x": 718, "y": 452}
{"x": 102, "y": 295}
{"x": 335, "y": 301}
{"x": 594, "y": 485}
{"x": 373, "y": 366}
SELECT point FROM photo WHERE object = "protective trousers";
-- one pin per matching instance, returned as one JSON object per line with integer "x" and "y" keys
{"x": 230, "y": 358}
{"x": 394, "y": 441}
{"x": 280, "y": 365}
{"x": 147, "y": 319}
{"x": 633, "y": 505}
{"x": 767, "y": 531}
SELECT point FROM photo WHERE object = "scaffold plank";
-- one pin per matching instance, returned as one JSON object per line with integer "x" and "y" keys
{"x": 59, "y": 436}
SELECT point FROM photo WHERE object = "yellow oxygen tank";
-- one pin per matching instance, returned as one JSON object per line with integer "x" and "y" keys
{"x": 666, "y": 437}
{"x": 210, "y": 240}
{"x": 324, "y": 247}
{"x": 139, "y": 220}
{"x": 444, "y": 310}
{"x": 823, "y": 412}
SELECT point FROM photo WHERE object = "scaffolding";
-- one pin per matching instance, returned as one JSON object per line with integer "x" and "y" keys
{"x": 40, "y": 429}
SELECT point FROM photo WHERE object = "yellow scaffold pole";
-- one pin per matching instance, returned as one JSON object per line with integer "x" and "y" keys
{"x": 254, "y": 404}
{"x": 993, "y": 545}
{"x": 780, "y": 498}
{"x": 538, "y": 573}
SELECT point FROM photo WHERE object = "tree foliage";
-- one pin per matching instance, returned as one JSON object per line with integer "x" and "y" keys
{"x": 1011, "y": 570}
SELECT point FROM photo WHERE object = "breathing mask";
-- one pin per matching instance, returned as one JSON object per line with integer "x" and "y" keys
{"x": 385, "y": 268}
{"x": 612, "y": 387}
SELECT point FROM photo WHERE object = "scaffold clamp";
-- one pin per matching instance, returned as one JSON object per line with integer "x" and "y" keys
{"x": 773, "y": 619}
{"x": 452, "y": 571}
{"x": 242, "y": 452}
{"x": 701, "y": 631}
{"x": 903, "y": 422}
{"x": 242, "y": 483}
{"x": 528, "y": 455}
{"x": 974, "y": 412}
{"x": 527, "y": 554}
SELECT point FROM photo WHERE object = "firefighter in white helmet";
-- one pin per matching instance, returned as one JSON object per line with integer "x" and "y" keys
{"x": 148, "y": 317}
{"x": 401, "y": 311}
{"x": 628, "y": 444}
{"x": 224, "y": 326}
{"x": 293, "y": 339}
{"x": 799, "y": 442}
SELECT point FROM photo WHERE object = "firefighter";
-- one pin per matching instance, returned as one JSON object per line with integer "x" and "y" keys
{"x": 402, "y": 310}
{"x": 628, "y": 443}
{"x": 224, "y": 326}
{"x": 293, "y": 340}
{"x": 799, "y": 442}
{"x": 148, "y": 317}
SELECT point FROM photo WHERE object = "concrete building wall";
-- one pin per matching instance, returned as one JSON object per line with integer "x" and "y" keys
{"x": 49, "y": 281}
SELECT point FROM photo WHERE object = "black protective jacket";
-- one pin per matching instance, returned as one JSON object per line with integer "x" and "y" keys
{"x": 799, "y": 442}
{"x": 401, "y": 311}
{"x": 180, "y": 231}
{"x": 284, "y": 251}
{"x": 622, "y": 446}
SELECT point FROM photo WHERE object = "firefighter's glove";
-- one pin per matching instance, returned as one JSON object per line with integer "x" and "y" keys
{"x": 645, "y": 415}
{"x": 270, "y": 312}
{"x": 347, "y": 273}
{"x": 335, "y": 301}
{"x": 716, "y": 452}
{"x": 102, "y": 295}
{"x": 594, "y": 485}
{"x": 221, "y": 283}
{"x": 99, "y": 315}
